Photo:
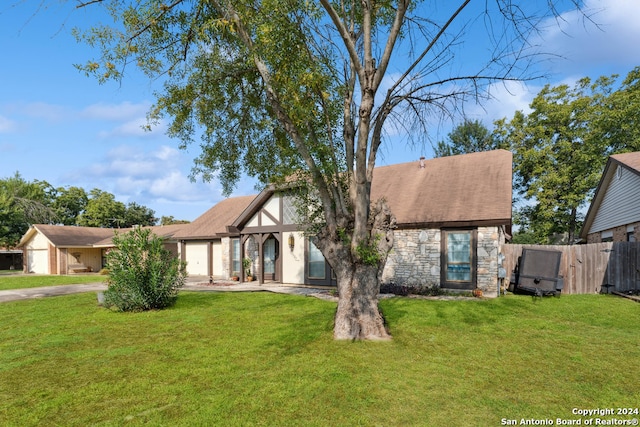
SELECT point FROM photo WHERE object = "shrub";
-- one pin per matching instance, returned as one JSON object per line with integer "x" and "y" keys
{"x": 404, "y": 290}
{"x": 143, "y": 275}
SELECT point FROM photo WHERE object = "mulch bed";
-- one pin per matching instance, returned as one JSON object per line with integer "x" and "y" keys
{"x": 220, "y": 283}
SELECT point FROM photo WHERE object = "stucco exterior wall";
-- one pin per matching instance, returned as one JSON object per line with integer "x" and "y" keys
{"x": 292, "y": 260}
{"x": 37, "y": 242}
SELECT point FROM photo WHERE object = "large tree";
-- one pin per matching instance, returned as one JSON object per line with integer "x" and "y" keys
{"x": 69, "y": 203}
{"x": 561, "y": 146}
{"x": 23, "y": 203}
{"x": 470, "y": 136}
{"x": 136, "y": 214}
{"x": 289, "y": 88}
{"x": 103, "y": 210}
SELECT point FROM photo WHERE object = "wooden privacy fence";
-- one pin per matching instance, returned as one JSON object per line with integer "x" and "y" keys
{"x": 586, "y": 268}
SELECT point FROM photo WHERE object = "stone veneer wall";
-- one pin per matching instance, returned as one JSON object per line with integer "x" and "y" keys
{"x": 415, "y": 258}
{"x": 226, "y": 251}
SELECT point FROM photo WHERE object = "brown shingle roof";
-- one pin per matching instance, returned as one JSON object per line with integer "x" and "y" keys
{"x": 165, "y": 231}
{"x": 455, "y": 190}
{"x": 631, "y": 160}
{"x": 214, "y": 222}
{"x": 60, "y": 235}
{"x": 72, "y": 236}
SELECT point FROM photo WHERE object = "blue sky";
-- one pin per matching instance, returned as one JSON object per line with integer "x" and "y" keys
{"x": 58, "y": 125}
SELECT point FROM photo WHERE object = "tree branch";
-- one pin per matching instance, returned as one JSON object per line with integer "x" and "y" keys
{"x": 345, "y": 34}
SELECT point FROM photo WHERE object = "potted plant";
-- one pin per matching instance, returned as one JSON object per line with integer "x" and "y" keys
{"x": 246, "y": 264}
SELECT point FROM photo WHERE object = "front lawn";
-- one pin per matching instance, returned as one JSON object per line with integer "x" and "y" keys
{"x": 268, "y": 359}
{"x": 22, "y": 281}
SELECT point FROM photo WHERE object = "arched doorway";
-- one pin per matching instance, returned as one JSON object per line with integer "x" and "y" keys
{"x": 270, "y": 258}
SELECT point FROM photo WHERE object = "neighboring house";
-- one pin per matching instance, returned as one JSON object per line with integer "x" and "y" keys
{"x": 614, "y": 214}
{"x": 59, "y": 249}
{"x": 206, "y": 243}
{"x": 453, "y": 213}
{"x": 10, "y": 259}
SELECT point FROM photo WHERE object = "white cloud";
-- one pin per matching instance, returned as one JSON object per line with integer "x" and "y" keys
{"x": 131, "y": 119}
{"x": 146, "y": 176}
{"x": 603, "y": 36}
{"x": 6, "y": 125}
{"x": 133, "y": 127}
{"x": 116, "y": 112}
{"x": 506, "y": 98}
{"x": 130, "y": 161}
{"x": 177, "y": 187}
{"x": 48, "y": 112}
{"x": 599, "y": 40}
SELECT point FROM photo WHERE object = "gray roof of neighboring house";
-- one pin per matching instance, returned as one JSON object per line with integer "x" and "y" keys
{"x": 448, "y": 191}
{"x": 214, "y": 222}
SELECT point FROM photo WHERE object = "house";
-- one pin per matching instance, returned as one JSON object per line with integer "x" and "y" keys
{"x": 614, "y": 214}
{"x": 209, "y": 243}
{"x": 453, "y": 213}
{"x": 59, "y": 249}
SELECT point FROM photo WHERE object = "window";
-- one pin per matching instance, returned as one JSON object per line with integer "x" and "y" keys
{"x": 289, "y": 212}
{"x": 458, "y": 259}
{"x": 316, "y": 265}
{"x": 235, "y": 257}
{"x": 606, "y": 236}
{"x": 631, "y": 237}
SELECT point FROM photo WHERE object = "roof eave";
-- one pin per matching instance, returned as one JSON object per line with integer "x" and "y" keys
{"x": 455, "y": 224}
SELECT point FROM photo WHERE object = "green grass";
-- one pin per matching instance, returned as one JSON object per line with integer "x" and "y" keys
{"x": 22, "y": 281}
{"x": 267, "y": 359}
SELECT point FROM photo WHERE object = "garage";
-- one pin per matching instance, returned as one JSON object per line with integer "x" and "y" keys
{"x": 37, "y": 261}
{"x": 196, "y": 257}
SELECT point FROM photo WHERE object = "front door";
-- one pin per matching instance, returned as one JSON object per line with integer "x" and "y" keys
{"x": 270, "y": 253}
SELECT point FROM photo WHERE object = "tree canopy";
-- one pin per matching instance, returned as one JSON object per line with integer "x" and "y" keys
{"x": 280, "y": 89}
{"x": 561, "y": 146}
{"x": 470, "y": 136}
{"x": 24, "y": 203}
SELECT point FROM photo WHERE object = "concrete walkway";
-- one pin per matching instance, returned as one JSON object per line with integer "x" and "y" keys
{"x": 193, "y": 284}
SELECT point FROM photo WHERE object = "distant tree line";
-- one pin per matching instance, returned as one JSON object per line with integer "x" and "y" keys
{"x": 560, "y": 149}
{"x": 24, "y": 203}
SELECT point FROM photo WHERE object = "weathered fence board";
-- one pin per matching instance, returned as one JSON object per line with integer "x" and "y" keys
{"x": 586, "y": 268}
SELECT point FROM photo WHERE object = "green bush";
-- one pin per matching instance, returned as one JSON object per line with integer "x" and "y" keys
{"x": 143, "y": 275}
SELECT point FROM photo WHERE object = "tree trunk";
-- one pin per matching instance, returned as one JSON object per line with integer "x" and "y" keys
{"x": 358, "y": 316}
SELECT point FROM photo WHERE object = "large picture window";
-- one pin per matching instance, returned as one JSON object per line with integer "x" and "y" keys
{"x": 458, "y": 268}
